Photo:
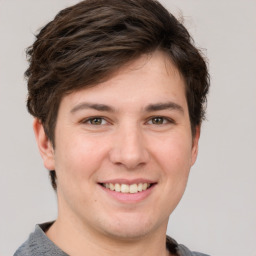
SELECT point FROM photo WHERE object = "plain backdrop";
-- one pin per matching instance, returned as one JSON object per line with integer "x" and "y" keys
{"x": 217, "y": 214}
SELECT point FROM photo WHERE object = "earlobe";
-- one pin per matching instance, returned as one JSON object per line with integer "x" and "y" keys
{"x": 44, "y": 145}
{"x": 195, "y": 144}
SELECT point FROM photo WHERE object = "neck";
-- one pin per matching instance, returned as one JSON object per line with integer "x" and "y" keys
{"x": 77, "y": 240}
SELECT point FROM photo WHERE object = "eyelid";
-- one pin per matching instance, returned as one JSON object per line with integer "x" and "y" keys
{"x": 167, "y": 120}
{"x": 86, "y": 120}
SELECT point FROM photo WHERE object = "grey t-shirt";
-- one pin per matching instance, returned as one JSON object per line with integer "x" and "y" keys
{"x": 38, "y": 244}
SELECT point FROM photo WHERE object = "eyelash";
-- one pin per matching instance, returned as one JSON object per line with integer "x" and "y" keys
{"x": 165, "y": 120}
{"x": 89, "y": 120}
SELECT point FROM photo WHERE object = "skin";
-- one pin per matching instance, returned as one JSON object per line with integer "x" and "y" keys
{"x": 132, "y": 138}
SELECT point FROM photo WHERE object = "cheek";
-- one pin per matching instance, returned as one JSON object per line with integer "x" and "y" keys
{"x": 77, "y": 163}
{"x": 78, "y": 157}
{"x": 174, "y": 154}
{"x": 174, "y": 159}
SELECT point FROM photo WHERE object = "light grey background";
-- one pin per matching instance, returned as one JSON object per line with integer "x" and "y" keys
{"x": 217, "y": 214}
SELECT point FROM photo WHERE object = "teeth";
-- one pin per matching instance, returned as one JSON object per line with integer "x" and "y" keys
{"x": 144, "y": 186}
{"x": 117, "y": 187}
{"x": 125, "y": 188}
{"x": 133, "y": 188}
{"x": 112, "y": 186}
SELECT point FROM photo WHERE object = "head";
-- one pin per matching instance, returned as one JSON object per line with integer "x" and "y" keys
{"x": 87, "y": 43}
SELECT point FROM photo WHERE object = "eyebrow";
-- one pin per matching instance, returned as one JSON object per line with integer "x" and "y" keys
{"x": 85, "y": 105}
{"x": 149, "y": 108}
{"x": 164, "y": 106}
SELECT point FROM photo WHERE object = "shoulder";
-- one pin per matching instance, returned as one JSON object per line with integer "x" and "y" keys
{"x": 184, "y": 251}
{"x": 180, "y": 249}
{"x": 30, "y": 246}
{"x": 39, "y": 244}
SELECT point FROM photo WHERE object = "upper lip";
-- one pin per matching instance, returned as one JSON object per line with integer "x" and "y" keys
{"x": 127, "y": 181}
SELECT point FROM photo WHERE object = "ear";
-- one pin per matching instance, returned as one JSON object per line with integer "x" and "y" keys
{"x": 195, "y": 144}
{"x": 44, "y": 145}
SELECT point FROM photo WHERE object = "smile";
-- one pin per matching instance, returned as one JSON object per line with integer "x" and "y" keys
{"x": 125, "y": 188}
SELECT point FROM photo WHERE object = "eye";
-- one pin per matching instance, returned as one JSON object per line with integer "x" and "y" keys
{"x": 159, "y": 120}
{"x": 95, "y": 121}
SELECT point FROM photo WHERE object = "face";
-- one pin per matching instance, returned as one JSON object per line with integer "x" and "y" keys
{"x": 123, "y": 150}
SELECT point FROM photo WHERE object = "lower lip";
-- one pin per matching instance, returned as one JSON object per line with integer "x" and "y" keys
{"x": 129, "y": 197}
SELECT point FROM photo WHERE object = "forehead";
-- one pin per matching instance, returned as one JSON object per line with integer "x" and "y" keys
{"x": 147, "y": 79}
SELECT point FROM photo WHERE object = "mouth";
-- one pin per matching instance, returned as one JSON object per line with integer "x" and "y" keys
{"x": 127, "y": 188}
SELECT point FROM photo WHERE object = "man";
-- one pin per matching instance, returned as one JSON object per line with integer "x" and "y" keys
{"x": 117, "y": 90}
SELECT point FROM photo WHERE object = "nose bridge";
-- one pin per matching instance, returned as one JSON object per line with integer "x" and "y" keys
{"x": 129, "y": 148}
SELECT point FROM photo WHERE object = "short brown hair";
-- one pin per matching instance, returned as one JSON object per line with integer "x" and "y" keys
{"x": 87, "y": 42}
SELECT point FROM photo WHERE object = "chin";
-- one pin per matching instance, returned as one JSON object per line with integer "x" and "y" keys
{"x": 133, "y": 233}
{"x": 130, "y": 229}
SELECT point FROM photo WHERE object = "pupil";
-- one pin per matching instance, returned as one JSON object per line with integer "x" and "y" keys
{"x": 96, "y": 121}
{"x": 158, "y": 120}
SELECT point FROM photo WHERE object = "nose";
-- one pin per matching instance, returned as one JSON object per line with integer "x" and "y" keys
{"x": 129, "y": 148}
